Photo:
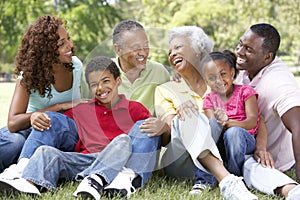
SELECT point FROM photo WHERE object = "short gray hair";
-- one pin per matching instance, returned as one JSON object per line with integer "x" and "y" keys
{"x": 199, "y": 40}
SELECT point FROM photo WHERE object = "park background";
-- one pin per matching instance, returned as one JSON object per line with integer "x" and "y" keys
{"x": 90, "y": 24}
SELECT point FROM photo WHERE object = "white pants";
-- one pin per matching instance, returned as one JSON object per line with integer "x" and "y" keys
{"x": 190, "y": 139}
{"x": 264, "y": 179}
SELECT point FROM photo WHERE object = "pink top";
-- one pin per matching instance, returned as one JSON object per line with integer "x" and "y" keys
{"x": 235, "y": 106}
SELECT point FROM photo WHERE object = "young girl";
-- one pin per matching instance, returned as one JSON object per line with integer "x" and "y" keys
{"x": 49, "y": 80}
{"x": 233, "y": 106}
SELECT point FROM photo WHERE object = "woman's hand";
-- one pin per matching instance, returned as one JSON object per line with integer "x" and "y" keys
{"x": 71, "y": 104}
{"x": 40, "y": 121}
{"x": 186, "y": 109}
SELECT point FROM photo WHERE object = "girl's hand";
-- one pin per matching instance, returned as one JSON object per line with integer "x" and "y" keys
{"x": 186, "y": 109}
{"x": 40, "y": 121}
{"x": 221, "y": 115}
{"x": 264, "y": 158}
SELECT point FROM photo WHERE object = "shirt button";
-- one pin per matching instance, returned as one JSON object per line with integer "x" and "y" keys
{"x": 104, "y": 112}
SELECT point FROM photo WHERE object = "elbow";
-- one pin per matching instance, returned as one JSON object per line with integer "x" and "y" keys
{"x": 11, "y": 126}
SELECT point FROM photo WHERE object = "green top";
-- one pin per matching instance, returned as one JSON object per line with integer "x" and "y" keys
{"x": 143, "y": 88}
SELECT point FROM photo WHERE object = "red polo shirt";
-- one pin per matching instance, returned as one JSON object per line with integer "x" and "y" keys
{"x": 97, "y": 125}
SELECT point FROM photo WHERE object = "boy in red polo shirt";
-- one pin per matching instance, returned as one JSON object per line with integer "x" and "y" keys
{"x": 106, "y": 153}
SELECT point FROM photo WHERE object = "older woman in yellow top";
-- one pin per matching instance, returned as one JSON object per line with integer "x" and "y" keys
{"x": 190, "y": 142}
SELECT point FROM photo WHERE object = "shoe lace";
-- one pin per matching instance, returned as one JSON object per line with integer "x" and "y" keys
{"x": 93, "y": 183}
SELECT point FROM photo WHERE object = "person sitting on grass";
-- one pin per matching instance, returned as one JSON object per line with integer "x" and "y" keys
{"x": 189, "y": 142}
{"x": 110, "y": 149}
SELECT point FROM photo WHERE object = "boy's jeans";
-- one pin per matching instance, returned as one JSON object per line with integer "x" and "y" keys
{"x": 62, "y": 134}
{"x": 135, "y": 150}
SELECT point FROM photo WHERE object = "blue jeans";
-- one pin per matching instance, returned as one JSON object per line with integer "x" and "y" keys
{"x": 237, "y": 142}
{"x": 11, "y": 145}
{"x": 135, "y": 150}
{"x": 62, "y": 135}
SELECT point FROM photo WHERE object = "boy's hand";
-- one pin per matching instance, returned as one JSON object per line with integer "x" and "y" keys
{"x": 153, "y": 126}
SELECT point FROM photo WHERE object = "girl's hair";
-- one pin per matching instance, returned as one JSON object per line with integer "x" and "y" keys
{"x": 37, "y": 54}
{"x": 101, "y": 63}
{"x": 228, "y": 57}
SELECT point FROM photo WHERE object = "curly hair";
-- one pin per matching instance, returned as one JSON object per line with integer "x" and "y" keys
{"x": 37, "y": 54}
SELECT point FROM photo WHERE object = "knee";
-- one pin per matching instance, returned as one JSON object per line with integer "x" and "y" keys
{"x": 46, "y": 150}
{"x": 232, "y": 134}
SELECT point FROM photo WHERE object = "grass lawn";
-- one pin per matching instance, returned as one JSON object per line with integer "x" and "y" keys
{"x": 158, "y": 187}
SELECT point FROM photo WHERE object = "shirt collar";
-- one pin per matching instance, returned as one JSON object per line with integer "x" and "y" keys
{"x": 259, "y": 75}
{"x": 123, "y": 103}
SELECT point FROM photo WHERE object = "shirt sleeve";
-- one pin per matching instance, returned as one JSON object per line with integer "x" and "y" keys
{"x": 69, "y": 113}
{"x": 164, "y": 105}
{"x": 138, "y": 111}
{"x": 247, "y": 92}
{"x": 284, "y": 93}
{"x": 207, "y": 103}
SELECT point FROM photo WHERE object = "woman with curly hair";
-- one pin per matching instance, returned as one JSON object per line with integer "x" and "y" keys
{"x": 49, "y": 80}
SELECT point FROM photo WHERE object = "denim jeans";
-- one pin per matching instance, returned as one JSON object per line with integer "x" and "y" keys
{"x": 237, "y": 143}
{"x": 200, "y": 175}
{"x": 11, "y": 145}
{"x": 135, "y": 150}
{"x": 62, "y": 135}
{"x": 190, "y": 139}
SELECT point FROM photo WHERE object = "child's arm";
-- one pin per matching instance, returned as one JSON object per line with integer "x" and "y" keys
{"x": 261, "y": 154}
{"x": 209, "y": 113}
{"x": 251, "y": 108}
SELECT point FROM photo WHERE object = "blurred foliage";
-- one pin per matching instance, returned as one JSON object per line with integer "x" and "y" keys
{"x": 90, "y": 22}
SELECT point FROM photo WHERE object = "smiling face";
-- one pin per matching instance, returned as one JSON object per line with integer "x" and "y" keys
{"x": 181, "y": 55}
{"x": 134, "y": 50}
{"x": 65, "y": 45}
{"x": 219, "y": 76}
{"x": 250, "y": 53}
{"x": 105, "y": 87}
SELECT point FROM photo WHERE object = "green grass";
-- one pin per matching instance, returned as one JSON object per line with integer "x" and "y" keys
{"x": 157, "y": 188}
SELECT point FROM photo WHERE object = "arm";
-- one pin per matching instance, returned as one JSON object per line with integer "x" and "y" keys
{"x": 291, "y": 120}
{"x": 18, "y": 119}
{"x": 157, "y": 127}
{"x": 261, "y": 154}
{"x": 251, "y": 115}
{"x": 209, "y": 113}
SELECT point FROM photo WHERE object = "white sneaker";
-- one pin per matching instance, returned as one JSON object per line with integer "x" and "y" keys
{"x": 233, "y": 188}
{"x": 123, "y": 185}
{"x": 198, "y": 188}
{"x": 294, "y": 194}
{"x": 11, "y": 172}
{"x": 90, "y": 187}
{"x": 18, "y": 185}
